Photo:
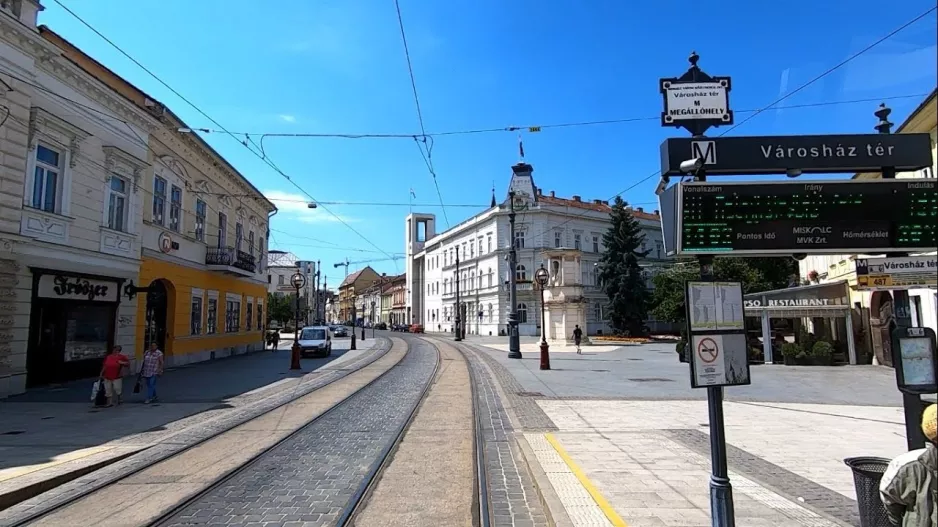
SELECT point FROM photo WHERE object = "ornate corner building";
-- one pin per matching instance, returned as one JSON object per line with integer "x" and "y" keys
{"x": 117, "y": 227}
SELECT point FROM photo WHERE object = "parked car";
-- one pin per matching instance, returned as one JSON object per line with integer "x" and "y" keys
{"x": 315, "y": 341}
{"x": 381, "y": 325}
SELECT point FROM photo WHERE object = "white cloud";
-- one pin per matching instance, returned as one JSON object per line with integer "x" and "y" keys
{"x": 295, "y": 206}
{"x": 287, "y": 118}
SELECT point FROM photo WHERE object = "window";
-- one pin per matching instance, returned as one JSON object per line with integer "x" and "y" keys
{"x": 260, "y": 255}
{"x": 577, "y": 239}
{"x": 159, "y": 199}
{"x": 175, "y": 207}
{"x": 480, "y": 246}
{"x": 522, "y": 313}
{"x": 595, "y": 244}
{"x": 490, "y": 312}
{"x": 200, "y": 220}
{"x": 488, "y": 240}
{"x": 117, "y": 204}
{"x": 222, "y": 229}
{"x": 657, "y": 249}
{"x": 239, "y": 234}
{"x": 232, "y": 316}
{"x": 521, "y": 273}
{"x": 260, "y": 317}
{"x": 249, "y": 317}
{"x": 557, "y": 240}
{"x": 195, "y": 318}
{"x": 598, "y": 312}
{"x": 519, "y": 239}
{"x": 491, "y": 276}
{"x": 251, "y": 242}
{"x": 211, "y": 316}
{"x": 46, "y": 179}
{"x": 280, "y": 279}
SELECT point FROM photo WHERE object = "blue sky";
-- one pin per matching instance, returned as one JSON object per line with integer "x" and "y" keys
{"x": 338, "y": 67}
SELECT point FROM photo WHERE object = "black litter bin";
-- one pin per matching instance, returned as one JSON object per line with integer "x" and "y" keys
{"x": 867, "y": 473}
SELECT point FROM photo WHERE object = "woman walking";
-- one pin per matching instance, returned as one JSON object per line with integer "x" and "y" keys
{"x": 152, "y": 367}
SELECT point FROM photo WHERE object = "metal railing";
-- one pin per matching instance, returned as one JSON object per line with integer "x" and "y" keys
{"x": 231, "y": 257}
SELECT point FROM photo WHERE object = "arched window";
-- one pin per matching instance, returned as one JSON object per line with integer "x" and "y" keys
{"x": 522, "y": 313}
{"x": 521, "y": 273}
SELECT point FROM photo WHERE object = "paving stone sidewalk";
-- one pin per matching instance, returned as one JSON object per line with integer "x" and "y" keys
{"x": 179, "y": 435}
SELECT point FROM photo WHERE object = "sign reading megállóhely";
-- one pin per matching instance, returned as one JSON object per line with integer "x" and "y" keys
{"x": 908, "y": 272}
{"x": 786, "y": 217}
{"x": 688, "y": 101}
{"x": 818, "y": 154}
{"x": 76, "y": 288}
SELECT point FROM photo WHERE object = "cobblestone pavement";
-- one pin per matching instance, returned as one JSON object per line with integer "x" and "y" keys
{"x": 513, "y": 497}
{"x": 309, "y": 478}
{"x": 186, "y": 433}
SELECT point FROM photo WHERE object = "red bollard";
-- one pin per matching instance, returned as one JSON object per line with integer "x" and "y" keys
{"x": 295, "y": 357}
{"x": 545, "y": 355}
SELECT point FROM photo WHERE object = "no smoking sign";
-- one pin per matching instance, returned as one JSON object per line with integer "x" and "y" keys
{"x": 719, "y": 360}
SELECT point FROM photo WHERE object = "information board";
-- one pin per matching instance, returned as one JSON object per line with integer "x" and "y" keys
{"x": 907, "y": 272}
{"x": 715, "y": 306}
{"x": 877, "y": 216}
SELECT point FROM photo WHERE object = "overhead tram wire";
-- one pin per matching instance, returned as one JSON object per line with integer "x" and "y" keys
{"x": 422, "y": 143}
{"x": 573, "y": 124}
{"x": 265, "y": 159}
{"x": 773, "y": 103}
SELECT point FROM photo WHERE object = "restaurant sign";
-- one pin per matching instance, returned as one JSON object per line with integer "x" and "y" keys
{"x": 789, "y": 302}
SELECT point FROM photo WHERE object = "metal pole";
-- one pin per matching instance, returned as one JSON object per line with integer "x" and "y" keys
{"x": 545, "y": 348}
{"x": 514, "y": 343}
{"x": 295, "y": 351}
{"x": 352, "y": 345}
{"x": 458, "y": 322}
{"x": 902, "y": 309}
{"x": 721, "y": 491}
{"x": 363, "y": 320}
{"x": 372, "y": 319}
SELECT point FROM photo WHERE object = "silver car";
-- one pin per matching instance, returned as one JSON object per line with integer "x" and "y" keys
{"x": 315, "y": 341}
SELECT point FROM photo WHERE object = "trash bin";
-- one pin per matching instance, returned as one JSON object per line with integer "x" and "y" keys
{"x": 867, "y": 473}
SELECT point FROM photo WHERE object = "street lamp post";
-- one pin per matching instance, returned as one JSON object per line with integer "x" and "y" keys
{"x": 541, "y": 276}
{"x": 298, "y": 280}
{"x": 373, "y": 319}
{"x": 514, "y": 342}
{"x": 352, "y": 308}
{"x": 363, "y": 320}
{"x": 458, "y": 321}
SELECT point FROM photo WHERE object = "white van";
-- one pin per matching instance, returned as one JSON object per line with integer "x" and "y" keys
{"x": 315, "y": 341}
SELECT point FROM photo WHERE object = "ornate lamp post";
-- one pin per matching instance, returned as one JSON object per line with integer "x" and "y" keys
{"x": 363, "y": 319}
{"x": 541, "y": 276}
{"x": 298, "y": 281}
{"x": 373, "y": 319}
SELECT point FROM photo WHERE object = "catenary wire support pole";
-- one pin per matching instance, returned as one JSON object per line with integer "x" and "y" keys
{"x": 721, "y": 491}
{"x": 902, "y": 310}
{"x": 458, "y": 321}
{"x": 514, "y": 343}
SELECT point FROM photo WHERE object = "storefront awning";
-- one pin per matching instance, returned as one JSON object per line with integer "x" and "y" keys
{"x": 819, "y": 300}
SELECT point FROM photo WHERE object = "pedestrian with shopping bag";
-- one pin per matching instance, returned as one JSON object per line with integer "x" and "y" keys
{"x": 111, "y": 376}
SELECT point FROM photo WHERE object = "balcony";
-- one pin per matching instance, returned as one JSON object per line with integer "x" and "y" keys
{"x": 228, "y": 260}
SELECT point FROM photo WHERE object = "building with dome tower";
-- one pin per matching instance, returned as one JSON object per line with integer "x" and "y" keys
{"x": 544, "y": 223}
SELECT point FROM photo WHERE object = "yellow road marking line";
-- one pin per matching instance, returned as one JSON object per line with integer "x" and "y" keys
{"x": 597, "y": 496}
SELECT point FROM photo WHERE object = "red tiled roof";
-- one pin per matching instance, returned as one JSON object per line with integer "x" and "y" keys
{"x": 593, "y": 205}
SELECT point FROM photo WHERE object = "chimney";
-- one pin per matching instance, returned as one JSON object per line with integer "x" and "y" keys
{"x": 657, "y": 213}
{"x": 641, "y": 209}
{"x": 598, "y": 201}
{"x": 26, "y": 11}
{"x": 552, "y": 194}
{"x": 576, "y": 198}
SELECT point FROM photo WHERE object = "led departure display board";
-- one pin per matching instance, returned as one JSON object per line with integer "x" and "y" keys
{"x": 869, "y": 216}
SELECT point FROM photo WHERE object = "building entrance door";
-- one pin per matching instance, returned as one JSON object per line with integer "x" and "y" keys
{"x": 157, "y": 306}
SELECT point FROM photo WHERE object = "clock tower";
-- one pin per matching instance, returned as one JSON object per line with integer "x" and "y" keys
{"x": 522, "y": 184}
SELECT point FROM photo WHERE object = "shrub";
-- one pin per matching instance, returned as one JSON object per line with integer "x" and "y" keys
{"x": 822, "y": 349}
{"x": 679, "y": 347}
{"x": 793, "y": 350}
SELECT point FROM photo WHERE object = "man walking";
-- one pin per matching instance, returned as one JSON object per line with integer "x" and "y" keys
{"x": 577, "y": 337}
{"x": 152, "y": 367}
{"x": 111, "y": 371}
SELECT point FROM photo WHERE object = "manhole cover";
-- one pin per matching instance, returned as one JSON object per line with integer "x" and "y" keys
{"x": 650, "y": 379}
{"x": 14, "y": 432}
{"x": 531, "y": 394}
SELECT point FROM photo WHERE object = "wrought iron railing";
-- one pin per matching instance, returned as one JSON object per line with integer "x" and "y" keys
{"x": 231, "y": 257}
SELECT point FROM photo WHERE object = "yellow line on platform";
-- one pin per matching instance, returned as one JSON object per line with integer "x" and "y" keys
{"x": 597, "y": 496}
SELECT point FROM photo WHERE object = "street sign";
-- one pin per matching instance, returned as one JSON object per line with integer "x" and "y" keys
{"x": 780, "y": 217}
{"x": 884, "y": 274}
{"x": 810, "y": 154}
{"x": 696, "y": 101}
{"x": 719, "y": 359}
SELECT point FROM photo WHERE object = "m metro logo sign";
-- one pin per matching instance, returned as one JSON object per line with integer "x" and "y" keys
{"x": 706, "y": 150}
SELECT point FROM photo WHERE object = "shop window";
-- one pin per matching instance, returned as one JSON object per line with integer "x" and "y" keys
{"x": 249, "y": 317}
{"x": 175, "y": 208}
{"x": 86, "y": 332}
{"x": 47, "y": 179}
{"x": 232, "y": 316}
{"x": 200, "y": 220}
{"x": 195, "y": 318}
{"x": 211, "y": 320}
{"x": 159, "y": 200}
{"x": 117, "y": 204}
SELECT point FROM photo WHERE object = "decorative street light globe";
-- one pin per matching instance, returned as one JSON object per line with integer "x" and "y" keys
{"x": 541, "y": 276}
{"x": 298, "y": 280}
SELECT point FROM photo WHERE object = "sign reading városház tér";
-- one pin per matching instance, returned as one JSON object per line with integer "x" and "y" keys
{"x": 728, "y": 156}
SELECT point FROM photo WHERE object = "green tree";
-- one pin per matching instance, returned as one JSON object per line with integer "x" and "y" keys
{"x": 621, "y": 277}
{"x": 756, "y": 274}
{"x": 280, "y": 308}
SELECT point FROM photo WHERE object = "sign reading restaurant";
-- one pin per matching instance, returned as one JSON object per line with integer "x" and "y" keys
{"x": 789, "y": 302}
{"x": 819, "y": 154}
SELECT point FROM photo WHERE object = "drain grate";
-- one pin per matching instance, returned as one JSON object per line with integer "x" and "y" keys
{"x": 13, "y": 433}
{"x": 651, "y": 379}
{"x": 531, "y": 394}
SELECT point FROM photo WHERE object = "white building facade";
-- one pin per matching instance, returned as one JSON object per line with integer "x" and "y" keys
{"x": 70, "y": 210}
{"x": 542, "y": 221}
